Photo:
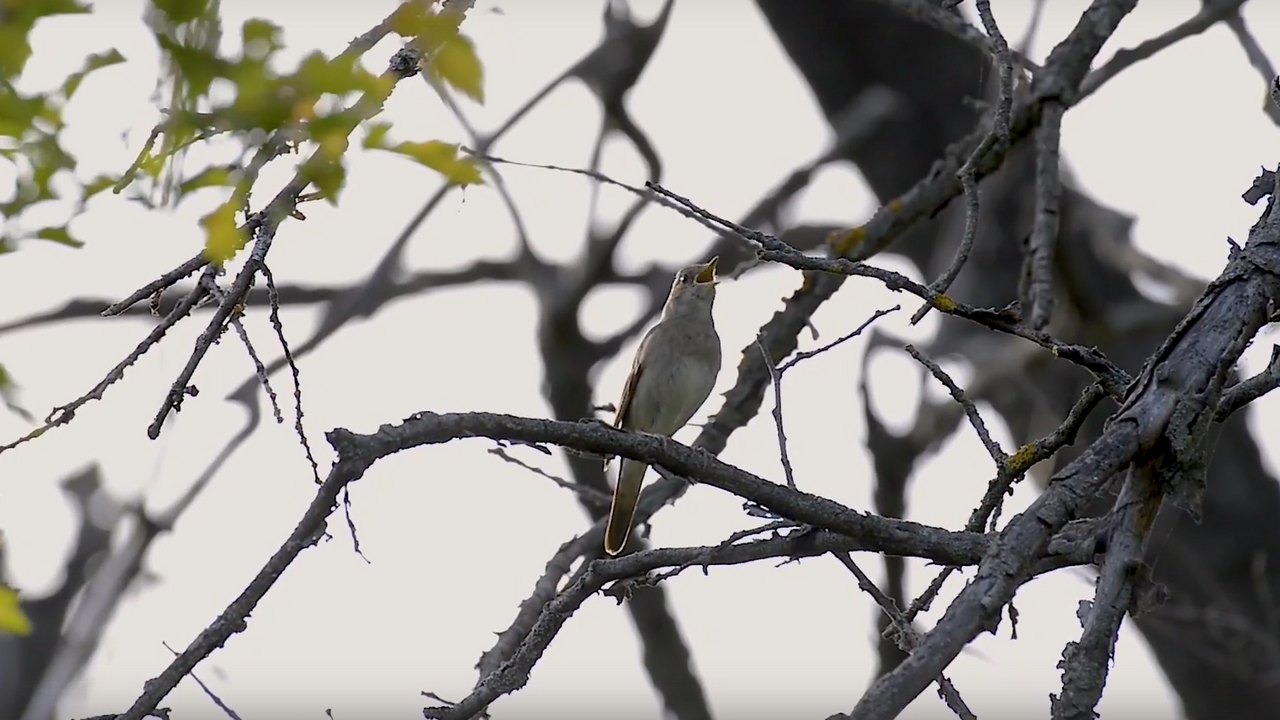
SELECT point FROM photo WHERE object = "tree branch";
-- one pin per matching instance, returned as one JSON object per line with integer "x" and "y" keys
{"x": 1172, "y": 402}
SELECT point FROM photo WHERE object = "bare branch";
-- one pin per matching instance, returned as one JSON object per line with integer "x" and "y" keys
{"x": 544, "y": 590}
{"x": 997, "y": 140}
{"x": 775, "y": 375}
{"x": 164, "y": 281}
{"x": 771, "y": 249}
{"x": 263, "y": 225}
{"x": 511, "y": 675}
{"x": 1176, "y": 409}
{"x": 1209, "y": 15}
{"x": 1038, "y": 263}
{"x": 260, "y": 371}
{"x": 1257, "y": 58}
{"x": 806, "y": 354}
{"x": 1246, "y": 391}
{"x": 970, "y": 409}
{"x": 274, "y": 302}
{"x": 589, "y": 495}
{"x": 904, "y": 634}
{"x": 208, "y": 691}
{"x": 63, "y": 414}
{"x": 988, "y": 510}
{"x": 1085, "y": 664}
{"x": 356, "y": 453}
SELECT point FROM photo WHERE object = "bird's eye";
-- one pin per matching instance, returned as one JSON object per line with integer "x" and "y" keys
{"x": 684, "y": 278}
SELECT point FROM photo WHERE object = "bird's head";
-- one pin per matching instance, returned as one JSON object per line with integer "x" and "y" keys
{"x": 693, "y": 289}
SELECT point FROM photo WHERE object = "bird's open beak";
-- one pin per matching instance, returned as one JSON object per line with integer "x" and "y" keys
{"x": 708, "y": 272}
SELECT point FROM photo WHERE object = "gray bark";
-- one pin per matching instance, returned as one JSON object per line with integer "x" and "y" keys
{"x": 1216, "y": 637}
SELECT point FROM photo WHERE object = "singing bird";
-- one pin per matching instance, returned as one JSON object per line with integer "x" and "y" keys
{"x": 671, "y": 376}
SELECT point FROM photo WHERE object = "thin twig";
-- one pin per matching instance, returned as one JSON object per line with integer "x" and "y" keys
{"x": 1246, "y": 391}
{"x": 806, "y": 354}
{"x": 208, "y": 691}
{"x": 164, "y": 281}
{"x": 985, "y": 514}
{"x": 771, "y": 249}
{"x": 776, "y": 372}
{"x": 274, "y": 301}
{"x": 1257, "y": 59}
{"x": 998, "y": 140}
{"x": 904, "y": 634}
{"x": 211, "y": 285}
{"x": 264, "y": 225}
{"x": 178, "y": 390}
{"x": 1167, "y": 415}
{"x": 63, "y": 414}
{"x": 776, "y": 377}
{"x": 356, "y": 453}
{"x": 1210, "y": 14}
{"x": 962, "y": 399}
{"x": 590, "y": 494}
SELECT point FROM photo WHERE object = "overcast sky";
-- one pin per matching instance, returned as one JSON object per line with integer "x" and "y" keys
{"x": 455, "y": 536}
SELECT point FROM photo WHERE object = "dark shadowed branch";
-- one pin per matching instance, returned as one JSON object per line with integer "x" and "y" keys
{"x": 1168, "y": 411}
{"x": 1160, "y": 429}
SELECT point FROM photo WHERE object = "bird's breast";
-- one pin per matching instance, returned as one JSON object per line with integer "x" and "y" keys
{"x": 675, "y": 384}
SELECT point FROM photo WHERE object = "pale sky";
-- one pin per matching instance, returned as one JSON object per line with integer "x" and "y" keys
{"x": 456, "y": 537}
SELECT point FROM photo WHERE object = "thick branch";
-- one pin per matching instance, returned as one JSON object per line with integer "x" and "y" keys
{"x": 1178, "y": 391}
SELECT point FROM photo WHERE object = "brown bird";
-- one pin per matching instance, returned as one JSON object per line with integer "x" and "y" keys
{"x": 671, "y": 376}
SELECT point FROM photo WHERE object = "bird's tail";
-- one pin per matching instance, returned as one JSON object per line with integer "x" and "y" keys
{"x": 625, "y": 495}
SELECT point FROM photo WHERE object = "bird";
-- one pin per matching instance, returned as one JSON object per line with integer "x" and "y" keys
{"x": 673, "y": 373}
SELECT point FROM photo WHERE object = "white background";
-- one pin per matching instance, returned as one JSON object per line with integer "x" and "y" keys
{"x": 456, "y": 537}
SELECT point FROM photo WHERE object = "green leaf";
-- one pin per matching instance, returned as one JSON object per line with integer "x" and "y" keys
{"x": 456, "y": 63}
{"x": 376, "y": 135}
{"x": 328, "y": 175}
{"x": 223, "y": 238}
{"x": 12, "y": 619}
{"x": 8, "y": 388}
{"x": 181, "y": 11}
{"x": 262, "y": 100}
{"x": 14, "y": 49}
{"x": 198, "y": 66}
{"x": 18, "y": 113}
{"x": 209, "y": 177}
{"x": 47, "y": 157}
{"x": 152, "y": 165}
{"x": 93, "y": 187}
{"x": 60, "y": 235}
{"x": 97, "y": 185}
{"x": 443, "y": 158}
{"x": 18, "y": 17}
{"x": 413, "y": 19}
{"x": 31, "y": 10}
{"x": 339, "y": 76}
{"x": 96, "y": 61}
{"x": 331, "y": 132}
{"x": 261, "y": 38}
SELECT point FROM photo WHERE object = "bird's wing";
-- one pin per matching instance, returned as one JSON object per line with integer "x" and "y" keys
{"x": 633, "y": 379}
